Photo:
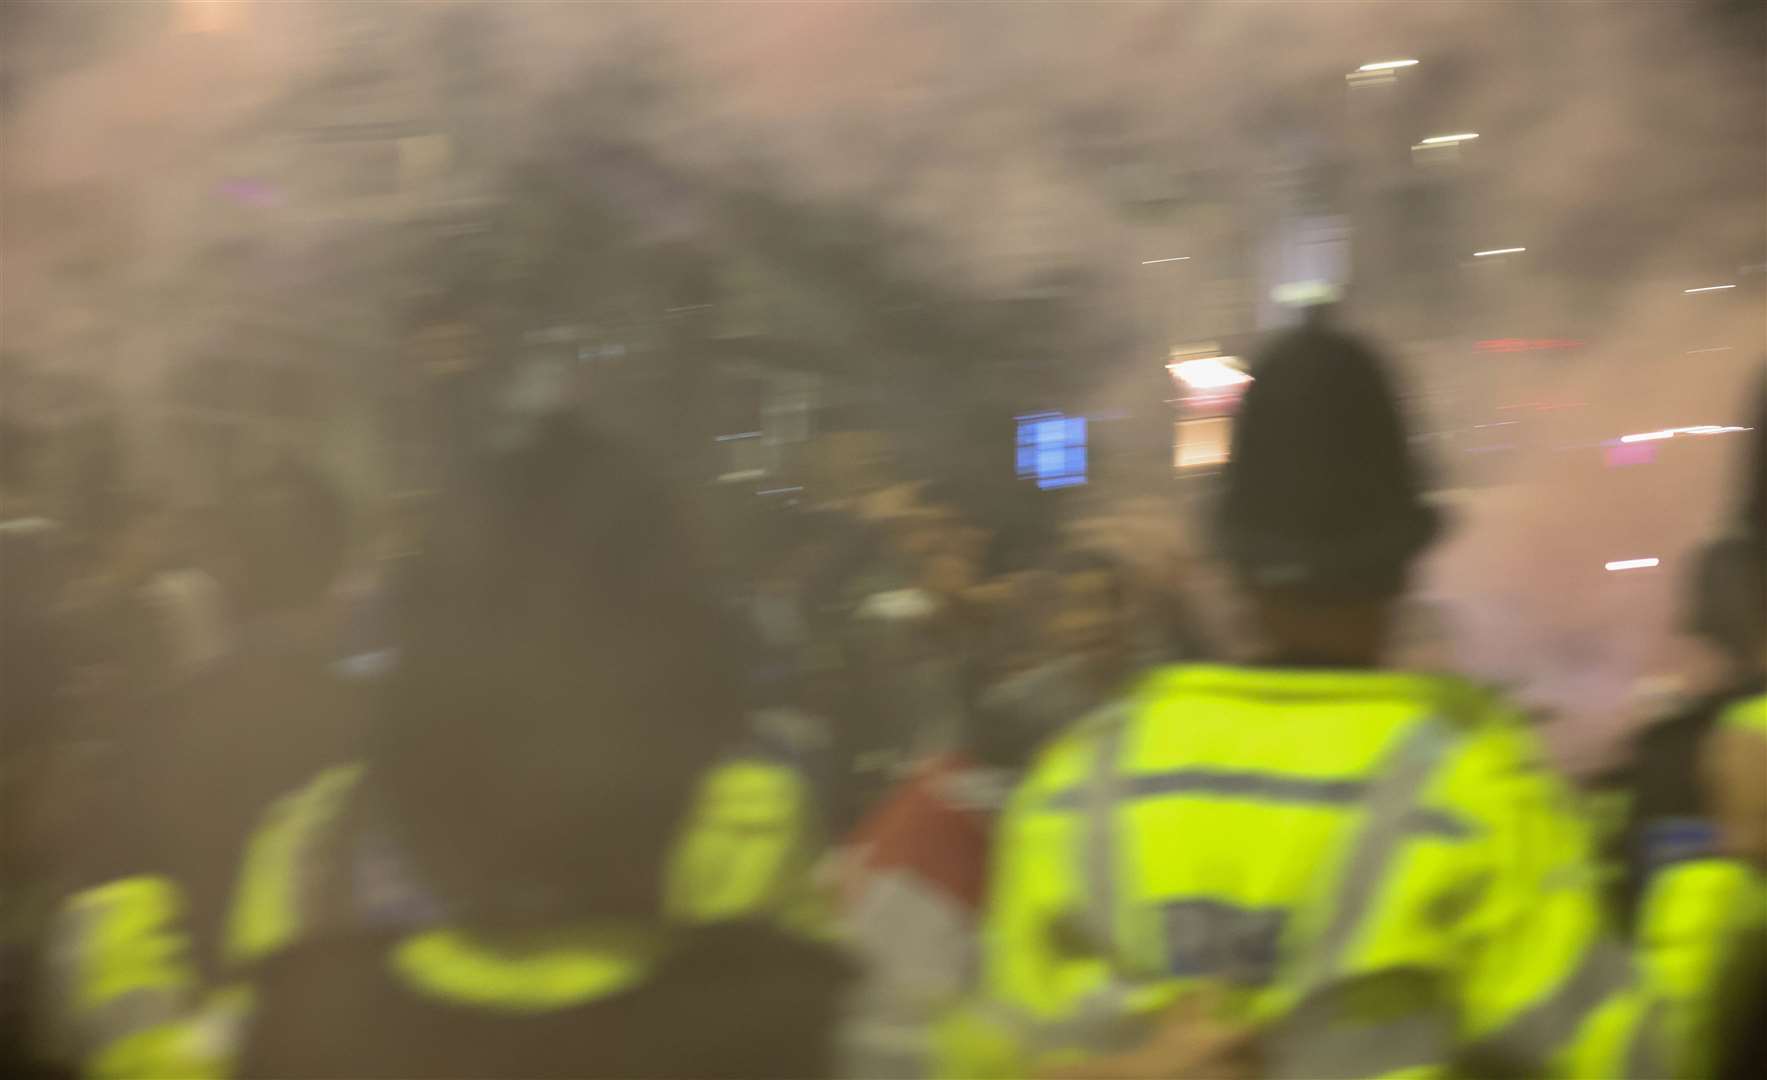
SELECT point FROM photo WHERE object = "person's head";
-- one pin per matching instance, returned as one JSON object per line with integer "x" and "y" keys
{"x": 1723, "y": 606}
{"x": 564, "y": 682}
{"x": 289, "y": 537}
{"x": 1753, "y": 504}
{"x": 1754, "y": 509}
{"x": 1090, "y": 609}
{"x": 1323, "y": 514}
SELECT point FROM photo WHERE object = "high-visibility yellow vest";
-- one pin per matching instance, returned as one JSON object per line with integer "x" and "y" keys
{"x": 1748, "y": 715}
{"x": 126, "y": 1001}
{"x": 1377, "y": 869}
{"x": 747, "y": 851}
{"x": 131, "y": 1004}
{"x": 1693, "y": 918}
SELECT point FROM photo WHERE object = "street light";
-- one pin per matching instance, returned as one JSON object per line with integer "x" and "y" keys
{"x": 1386, "y": 65}
{"x": 1498, "y": 251}
{"x": 1444, "y": 140}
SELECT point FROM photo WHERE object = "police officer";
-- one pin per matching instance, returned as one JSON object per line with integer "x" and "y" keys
{"x": 1375, "y": 870}
{"x": 1702, "y": 921}
{"x": 548, "y": 862}
{"x": 1667, "y": 818}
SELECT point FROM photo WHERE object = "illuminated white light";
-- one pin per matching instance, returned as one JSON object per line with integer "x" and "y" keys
{"x": 1715, "y": 348}
{"x": 1438, "y": 140}
{"x": 1305, "y": 293}
{"x": 1175, "y": 258}
{"x": 1708, "y": 288}
{"x": 1215, "y": 373}
{"x": 1670, "y": 433}
{"x": 1632, "y": 564}
{"x": 1386, "y": 65}
{"x": 1497, "y": 251}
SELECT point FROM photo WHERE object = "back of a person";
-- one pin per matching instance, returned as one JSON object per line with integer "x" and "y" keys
{"x": 1267, "y": 775}
{"x": 1342, "y": 850}
{"x": 252, "y": 728}
{"x": 1378, "y": 871}
{"x": 914, "y": 878}
{"x": 736, "y": 999}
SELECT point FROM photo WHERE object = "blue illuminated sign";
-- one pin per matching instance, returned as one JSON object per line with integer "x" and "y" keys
{"x": 1052, "y": 449}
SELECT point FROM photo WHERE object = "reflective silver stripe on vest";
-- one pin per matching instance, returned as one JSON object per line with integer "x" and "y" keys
{"x": 1538, "y": 1032}
{"x": 1318, "y": 1039}
{"x": 77, "y": 1029}
{"x": 1644, "y": 1060}
{"x": 1265, "y": 787}
{"x": 1262, "y": 787}
{"x": 132, "y": 1013}
{"x": 1392, "y": 798}
{"x": 1099, "y": 851}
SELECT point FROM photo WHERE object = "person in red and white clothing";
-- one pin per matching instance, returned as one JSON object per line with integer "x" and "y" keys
{"x": 914, "y": 872}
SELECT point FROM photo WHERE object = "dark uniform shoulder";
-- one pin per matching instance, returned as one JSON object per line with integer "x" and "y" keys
{"x": 735, "y": 999}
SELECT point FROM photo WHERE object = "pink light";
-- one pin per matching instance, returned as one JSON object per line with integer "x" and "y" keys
{"x": 1622, "y": 456}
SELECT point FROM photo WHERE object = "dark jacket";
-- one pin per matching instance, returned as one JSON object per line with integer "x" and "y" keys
{"x": 734, "y": 1000}
{"x": 1667, "y": 818}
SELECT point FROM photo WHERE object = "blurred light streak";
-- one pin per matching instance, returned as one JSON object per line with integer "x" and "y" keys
{"x": 1442, "y": 140}
{"x": 1175, "y": 258}
{"x": 1633, "y": 564}
{"x": 1670, "y": 433}
{"x": 1708, "y": 288}
{"x": 1715, "y": 348}
{"x": 1386, "y": 65}
{"x": 1210, "y": 374}
{"x": 1498, "y": 251}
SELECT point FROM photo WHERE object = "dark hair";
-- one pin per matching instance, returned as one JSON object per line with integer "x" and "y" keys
{"x": 290, "y": 529}
{"x": 1753, "y": 508}
{"x": 1724, "y": 596}
{"x": 1086, "y": 559}
{"x": 1169, "y": 631}
{"x": 565, "y": 681}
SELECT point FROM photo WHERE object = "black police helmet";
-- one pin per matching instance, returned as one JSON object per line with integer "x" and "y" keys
{"x": 1323, "y": 495}
{"x": 1754, "y": 478}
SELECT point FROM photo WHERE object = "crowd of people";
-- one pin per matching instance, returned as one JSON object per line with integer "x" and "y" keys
{"x": 554, "y": 784}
